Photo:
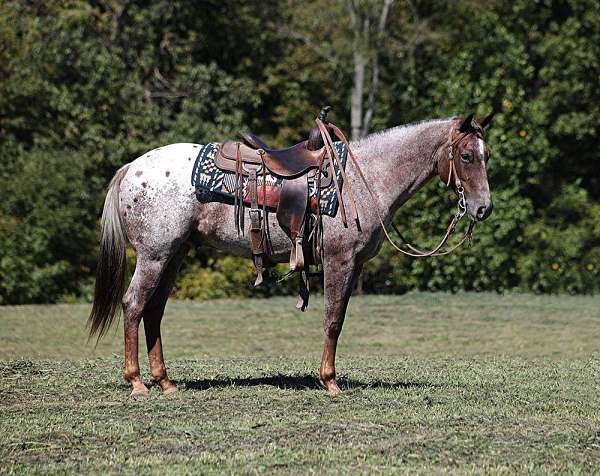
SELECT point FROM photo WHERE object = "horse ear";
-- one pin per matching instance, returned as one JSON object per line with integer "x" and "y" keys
{"x": 467, "y": 123}
{"x": 487, "y": 119}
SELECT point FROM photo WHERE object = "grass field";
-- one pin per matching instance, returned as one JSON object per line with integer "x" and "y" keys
{"x": 470, "y": 383}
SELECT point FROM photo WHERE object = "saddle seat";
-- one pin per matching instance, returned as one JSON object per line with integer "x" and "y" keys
{"x": 289, "y": 162}
{"x": 286, "y": 163}
{"x": 255, "y": 142}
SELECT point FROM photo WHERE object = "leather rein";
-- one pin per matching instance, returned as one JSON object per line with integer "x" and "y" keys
{"x": 461, "y": 205}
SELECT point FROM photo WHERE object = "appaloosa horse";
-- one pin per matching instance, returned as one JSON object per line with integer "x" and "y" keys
{"x": 152, "y": 204}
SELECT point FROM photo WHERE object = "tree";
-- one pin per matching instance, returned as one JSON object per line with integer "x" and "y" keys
{"x": 369, "y": 28}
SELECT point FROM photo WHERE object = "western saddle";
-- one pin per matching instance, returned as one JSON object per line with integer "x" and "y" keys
{"x": 310, "y": 164}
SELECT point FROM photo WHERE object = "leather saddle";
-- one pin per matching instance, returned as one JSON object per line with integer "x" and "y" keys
{"x": 285, "y": 163}
{"x": 304, "y": 165}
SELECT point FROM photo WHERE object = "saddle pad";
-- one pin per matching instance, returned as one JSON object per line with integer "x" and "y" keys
{"x": 215, "y": 185}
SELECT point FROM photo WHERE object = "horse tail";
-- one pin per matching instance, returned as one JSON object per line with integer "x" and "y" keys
{"x": 112, "y": 264}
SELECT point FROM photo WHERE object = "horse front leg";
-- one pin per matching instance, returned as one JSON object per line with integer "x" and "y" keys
{"x": 340, "y": 277}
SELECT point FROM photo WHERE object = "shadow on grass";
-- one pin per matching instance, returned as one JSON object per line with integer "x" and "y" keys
{"x": 293, "y": 382}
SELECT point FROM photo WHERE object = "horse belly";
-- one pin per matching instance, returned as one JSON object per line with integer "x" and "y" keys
{"x": 216, "y": 227}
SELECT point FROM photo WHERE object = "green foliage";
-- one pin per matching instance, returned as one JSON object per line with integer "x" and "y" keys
{"x": 47, "y": 228}
{"x": 87, "y": 85}
{"x": 229, "y": 276}
{"x": 564, "y": 247}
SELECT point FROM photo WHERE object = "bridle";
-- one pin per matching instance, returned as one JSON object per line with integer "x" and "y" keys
{"x": 460, "y": 212}
{"x": 460, "y": 190}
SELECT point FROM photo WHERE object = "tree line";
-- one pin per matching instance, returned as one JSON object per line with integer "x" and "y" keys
{"x": 86, "y": 86}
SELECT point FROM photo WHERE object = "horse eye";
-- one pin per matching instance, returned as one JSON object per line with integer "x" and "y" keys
{"x": 466, "y": 157}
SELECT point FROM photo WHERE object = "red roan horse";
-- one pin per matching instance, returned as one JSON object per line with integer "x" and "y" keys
{"x": 152, "y": 204}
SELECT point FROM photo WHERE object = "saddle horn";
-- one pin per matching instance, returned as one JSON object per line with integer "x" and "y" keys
{"x": 323, "y": 114}
{"x": 315, "y": 140}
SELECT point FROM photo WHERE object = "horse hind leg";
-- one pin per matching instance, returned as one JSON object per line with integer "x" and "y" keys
{"x": 152, "y": 317}
{"x": 146, "y": 278}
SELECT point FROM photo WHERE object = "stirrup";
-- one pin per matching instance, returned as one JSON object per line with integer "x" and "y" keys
{"x": 258, "y": 264}
{"x": 303, "y": 290}
{"x": 297, "y": 255}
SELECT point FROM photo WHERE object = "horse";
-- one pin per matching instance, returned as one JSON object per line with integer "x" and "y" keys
{"x": 151, "y": 204}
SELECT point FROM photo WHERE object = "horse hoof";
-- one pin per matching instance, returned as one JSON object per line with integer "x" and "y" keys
{"x": 334, "y": 389}
{"x": 170, "y": 390}
{"x": 331, "y": 386}
{"x": 139, "y": 393}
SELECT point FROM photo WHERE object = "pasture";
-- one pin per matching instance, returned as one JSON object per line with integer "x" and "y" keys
{"x": 467, "y": 383}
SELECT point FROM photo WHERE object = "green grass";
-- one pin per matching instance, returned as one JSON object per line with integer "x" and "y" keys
{"x": 471, "y": 383}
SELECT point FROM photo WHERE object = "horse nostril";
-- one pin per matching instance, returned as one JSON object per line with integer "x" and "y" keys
{"x": 484, "y": 211}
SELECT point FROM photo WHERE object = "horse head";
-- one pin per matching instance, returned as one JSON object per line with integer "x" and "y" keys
{"x": 462, "y": 165}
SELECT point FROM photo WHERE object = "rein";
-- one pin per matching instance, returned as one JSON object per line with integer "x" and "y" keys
{"x": 461, "y": 205}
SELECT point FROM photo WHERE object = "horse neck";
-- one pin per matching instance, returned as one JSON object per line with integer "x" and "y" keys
{"x": 396, "y": 164}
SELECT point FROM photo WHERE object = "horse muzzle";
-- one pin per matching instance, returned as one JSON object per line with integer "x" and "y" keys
{"x": 480, "y": 210}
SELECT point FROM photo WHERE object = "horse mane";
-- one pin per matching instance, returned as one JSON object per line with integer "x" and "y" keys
{"x": 400, "y": 130}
